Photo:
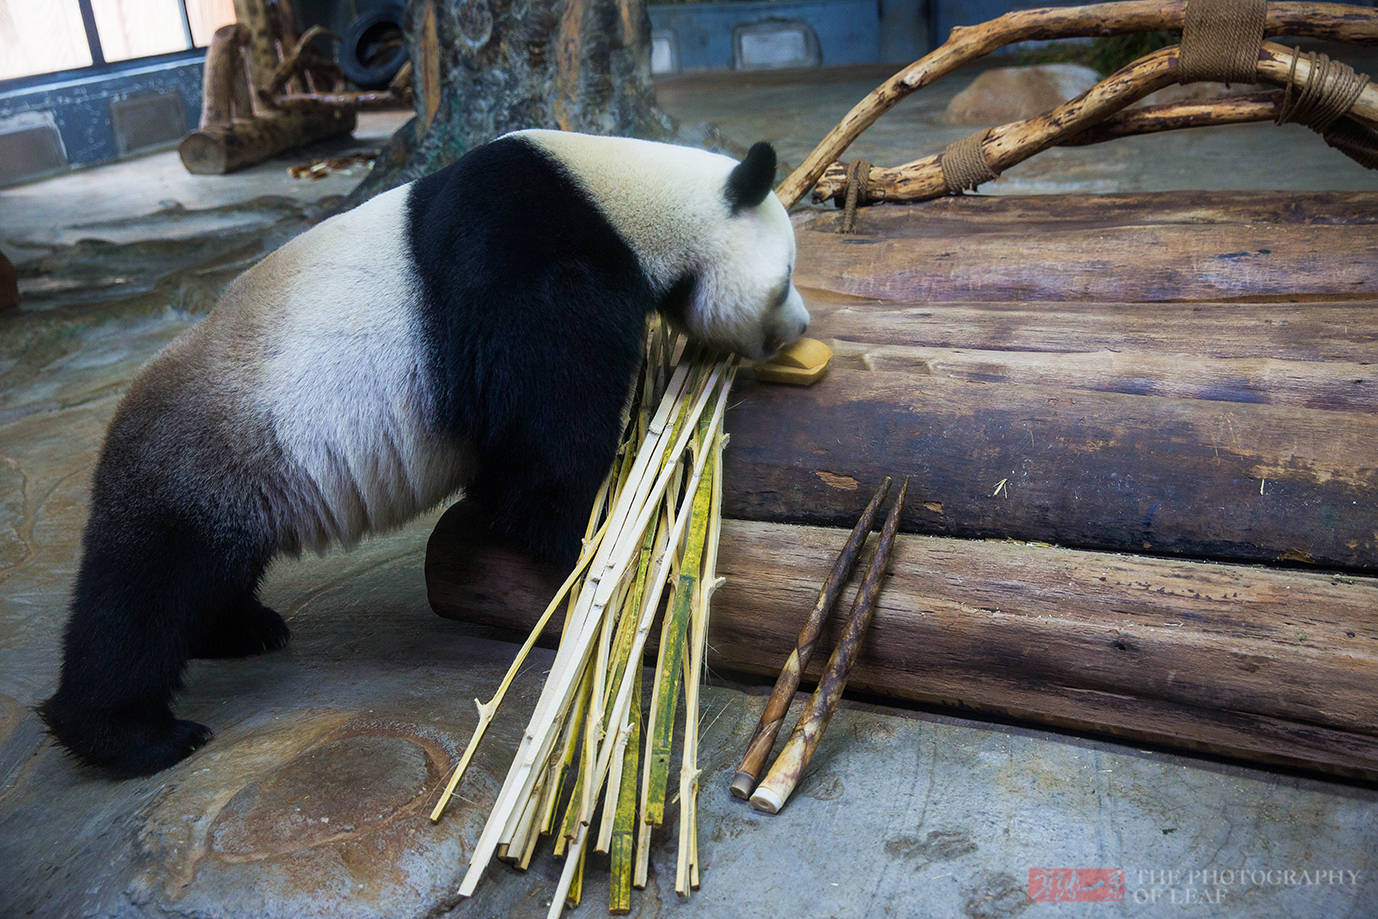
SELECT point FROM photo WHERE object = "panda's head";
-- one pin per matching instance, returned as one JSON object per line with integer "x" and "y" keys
{"x": 739, "y": 295}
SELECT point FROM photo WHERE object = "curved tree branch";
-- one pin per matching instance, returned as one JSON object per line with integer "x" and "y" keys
{"x": 1012, "y": 143}
{"x": 1333, "y": 21}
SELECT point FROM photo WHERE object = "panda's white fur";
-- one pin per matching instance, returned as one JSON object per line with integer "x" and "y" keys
{"x": 338, "y": 375}
{"x": 477, "y": 329}
{"x": 738, "y": 262}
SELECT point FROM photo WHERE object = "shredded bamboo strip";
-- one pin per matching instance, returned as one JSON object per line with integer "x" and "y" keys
{"x": 621, "y": 704}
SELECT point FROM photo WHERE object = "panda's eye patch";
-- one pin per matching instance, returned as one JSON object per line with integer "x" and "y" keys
{"x": 781, "y": 294}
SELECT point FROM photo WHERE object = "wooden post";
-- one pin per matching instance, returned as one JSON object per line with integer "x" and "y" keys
{"x": 1272, "y": 666}
{"x": 223, "y": 66}
{"x": 261, "y": 46}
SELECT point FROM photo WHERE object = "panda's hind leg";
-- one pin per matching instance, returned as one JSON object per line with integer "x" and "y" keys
{"x": 243, "y": 627}
{"x": 145, "y": 591}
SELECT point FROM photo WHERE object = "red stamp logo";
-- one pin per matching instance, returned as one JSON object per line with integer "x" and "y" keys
{"x": 1076, "y": 885}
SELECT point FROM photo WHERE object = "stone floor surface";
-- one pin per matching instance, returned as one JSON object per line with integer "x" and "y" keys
{"x": 312, "y": 798}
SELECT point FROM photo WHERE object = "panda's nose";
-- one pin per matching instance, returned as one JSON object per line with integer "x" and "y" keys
{"x": 803, "y": 327}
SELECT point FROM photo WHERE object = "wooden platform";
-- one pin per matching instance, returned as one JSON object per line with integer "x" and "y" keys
{"x": 1188, "y": 377}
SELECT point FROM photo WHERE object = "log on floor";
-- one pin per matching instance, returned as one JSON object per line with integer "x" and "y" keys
{"x": 219, "y": 149}
{"x": 1278, "y": 667}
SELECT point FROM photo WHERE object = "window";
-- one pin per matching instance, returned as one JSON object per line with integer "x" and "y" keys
{"x": 60, "y": 35}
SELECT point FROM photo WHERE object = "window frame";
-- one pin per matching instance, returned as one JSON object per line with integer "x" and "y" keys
{"x": 99, "y": 66}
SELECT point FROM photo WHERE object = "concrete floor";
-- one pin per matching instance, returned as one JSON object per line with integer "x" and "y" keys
{"x": 311, "y": 799}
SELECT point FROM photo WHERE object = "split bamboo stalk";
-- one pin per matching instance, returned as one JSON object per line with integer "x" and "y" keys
{"x": 672, "y": 638}
{"x": 1009, "y": 144}
{"x": 610, "y": 565}
{"x": 759, "y": 747}
{"x": 1334, "y": 21}
{"x": 622, "y": 846}
{"x": 647, "y": 617}
{"x": 775, "y": 789}
{"x": 686, "y": 863}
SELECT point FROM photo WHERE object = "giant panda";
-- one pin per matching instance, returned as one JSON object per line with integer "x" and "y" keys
{"x": 476, "y": 329}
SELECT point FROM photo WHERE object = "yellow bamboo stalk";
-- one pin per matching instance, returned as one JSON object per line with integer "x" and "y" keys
{"x": 622, "y": 846}
{"x": 723, "y": 374}
{"x": 686, "y": 863}
{"x": 672, "y": 638}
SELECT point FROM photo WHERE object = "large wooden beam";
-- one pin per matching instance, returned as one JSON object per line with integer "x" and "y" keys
{"x": 1112, "y": 248}
{"x": 1279, "y": 667}
{"x": 1186, "y": 373}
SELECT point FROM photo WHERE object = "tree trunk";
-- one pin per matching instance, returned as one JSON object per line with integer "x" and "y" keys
{"x": 486, "y": 67}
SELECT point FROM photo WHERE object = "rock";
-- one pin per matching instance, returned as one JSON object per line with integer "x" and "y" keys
{"x": 1014, "y": 93}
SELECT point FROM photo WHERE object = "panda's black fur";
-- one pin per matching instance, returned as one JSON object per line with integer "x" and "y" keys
{"x": 536, "y": 381}
{"x": 531, "y": 310}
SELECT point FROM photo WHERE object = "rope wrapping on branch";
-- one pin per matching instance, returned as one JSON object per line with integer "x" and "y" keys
{"x": 963, "y": 164}
{"x": 1220, "y": 40}
{"x": 1330, "y": 90}
{"x": 858, "y": 192}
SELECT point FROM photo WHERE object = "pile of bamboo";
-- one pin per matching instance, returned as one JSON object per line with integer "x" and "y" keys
{"x": 655, "y": 522}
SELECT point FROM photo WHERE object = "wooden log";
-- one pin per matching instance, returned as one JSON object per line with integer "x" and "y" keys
{"x": 1201, "y": 246}
{"x": 224, "y": 148}
{"x": 1277, "y": 667}
{"x": 1177, "y": 116}
{"x": 1229, "y": 480}
{"x": 223, "y": 64}
{"x": 344, "y": 101}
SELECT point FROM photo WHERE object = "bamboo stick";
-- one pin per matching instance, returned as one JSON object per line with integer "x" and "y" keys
{"x": 672, "y": 638}
{"x": 622, "y": 845}
{"x": 1340, "y": 22}
{"x": 773, "y": 716}
{"x": 775, "y": 789}
{"x": 686, "y": 863}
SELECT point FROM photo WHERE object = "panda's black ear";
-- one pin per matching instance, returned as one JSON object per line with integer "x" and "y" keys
{"x": 751, "y": 179}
